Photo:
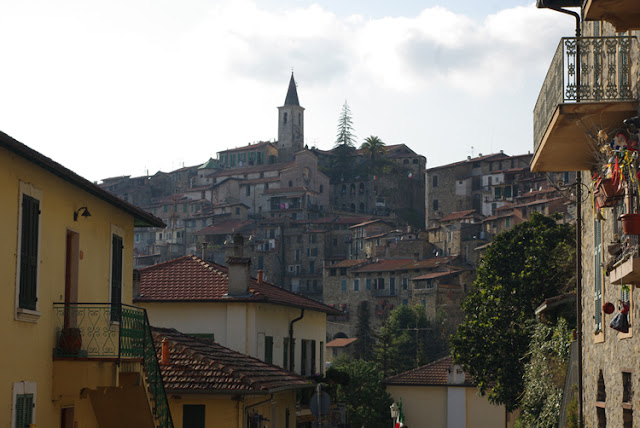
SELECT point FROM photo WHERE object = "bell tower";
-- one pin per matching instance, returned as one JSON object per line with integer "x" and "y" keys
{"x": 290, "y": 125}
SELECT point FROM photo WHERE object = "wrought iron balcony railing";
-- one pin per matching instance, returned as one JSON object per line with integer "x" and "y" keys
{"x": 120, "y": 332}
{"x": 605, "y": 74}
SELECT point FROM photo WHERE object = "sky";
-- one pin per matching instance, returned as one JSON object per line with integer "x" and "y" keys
{"x": 130, "y": 87}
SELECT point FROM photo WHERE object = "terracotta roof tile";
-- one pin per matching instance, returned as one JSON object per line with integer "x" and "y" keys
{"x": 190, "y": 279}
{"x": 341, "y": 342}
{"x": 458, "y": 215}
{"x": 199, "y": 365}
{"x": 247, "y": 147}
{"x": 432, "y": 275}
{"x": 432, "y": 374}
{"x": 348, "y": 263}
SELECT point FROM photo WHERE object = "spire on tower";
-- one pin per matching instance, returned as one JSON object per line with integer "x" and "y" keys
{"x": 292, "y": 94}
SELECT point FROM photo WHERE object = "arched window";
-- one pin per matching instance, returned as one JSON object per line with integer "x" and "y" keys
{"x": 361, "y": 187}
{"x": 406, "y": 162}
{"x": 361, "y": 207}
{"x": 415, "y": 161}
{"x": 353, "y": 189}
{"x": 285, "y": 117}
{"x": 353, "y": 208}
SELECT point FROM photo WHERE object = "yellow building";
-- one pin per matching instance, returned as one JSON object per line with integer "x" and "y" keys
{"x": 242, "y": 313}
{"x": 440, "y": 395}
{"x": 74, "y": 348}
{"x": 211, "y": 386}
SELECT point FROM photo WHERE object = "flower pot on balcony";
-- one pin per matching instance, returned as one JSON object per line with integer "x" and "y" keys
{"x": 70, "y": 341}
{"x": 607, "y": 193}
{"x": 631, "y": 224}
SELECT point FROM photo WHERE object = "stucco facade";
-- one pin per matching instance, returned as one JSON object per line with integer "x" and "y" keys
{"x": 73, "y": 262}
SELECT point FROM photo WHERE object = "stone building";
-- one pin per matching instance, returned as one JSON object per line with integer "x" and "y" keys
{"x": 435, "y": 283}
{"x": 564, "y": 131}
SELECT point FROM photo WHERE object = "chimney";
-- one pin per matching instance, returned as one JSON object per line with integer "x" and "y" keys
{"x": 455, "y": 375}
{"x": 238, "y": 269}
{"x": 259, "y": 276}
{"x": 166, "y": 358}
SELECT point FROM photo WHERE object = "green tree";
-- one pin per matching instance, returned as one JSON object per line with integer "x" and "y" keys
{"x": 364, "y": 345}
{"x": 407, "y": 340}
{"x": 373, "y": 147}
{"x": 544, "y": 375}
{"x": 345, "y": 128}
{"x": 523, "y": 266}
{"x": 366, "y": 399}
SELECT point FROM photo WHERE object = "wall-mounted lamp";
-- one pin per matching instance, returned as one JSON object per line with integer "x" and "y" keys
{"x": 85, "y": 213}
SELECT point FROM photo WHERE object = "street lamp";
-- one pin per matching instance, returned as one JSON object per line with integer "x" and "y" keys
{"x": 394, "y": 411}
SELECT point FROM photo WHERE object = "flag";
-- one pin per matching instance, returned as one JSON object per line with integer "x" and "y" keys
{"x": 400, "y": 419}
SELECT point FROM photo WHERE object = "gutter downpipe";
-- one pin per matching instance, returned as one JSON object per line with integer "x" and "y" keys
{"x": 542, "y": 3}
{"x": 291, "y": 342}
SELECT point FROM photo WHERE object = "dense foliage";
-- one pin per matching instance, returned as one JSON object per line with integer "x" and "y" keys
{"x": 363, "y": 347}
{"x": 522, "y": 267}
{"x": 544, "y": 375}
{"x": 366, "y": 399}
{"x": 408, "y": 340}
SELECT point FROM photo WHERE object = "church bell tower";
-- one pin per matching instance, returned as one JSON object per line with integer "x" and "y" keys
{"x": 290, "y": 125}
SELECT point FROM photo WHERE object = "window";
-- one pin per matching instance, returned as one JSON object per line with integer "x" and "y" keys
{"x": 380, "y": 284}
{"x": 268, "y": 349}
{"x": 321, "y": 188}
{"x": 237, "y": 211}
{"x": 498, "y": 192}
{"x": 392, "y": 286}
{"x": 597, "y": 258}
{"x": 24, "y": 404}
{"x": 184, "y": 208}
{"x": 356, "y": 285}
{"x": 343, "y": 285}
{"x": 29, "y": 253}
{"x": 193, "y": 415}
{"x": 435, "y": 205}
{"x": 434, "y": 181}
{"x": 116, "y": 277}
{"x": 312, "y": 267}
{"x": 284, "y": 120}
{"x": 285, "y": 353}
{"x": 248, "y": 190}
{"x": 368, "y": 283}
{"x": 405, "y": 283}
{"x": 303, "y": 357}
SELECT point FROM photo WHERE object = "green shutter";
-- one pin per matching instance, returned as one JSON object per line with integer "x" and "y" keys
{"x": 29, "y": 252}
{"x": 116, "y": 277}
{"x": 24, "y": 410}
{"x": 597, "y": 260}
{"x": 285, "y": 353}
{"x": 268, "y": 349}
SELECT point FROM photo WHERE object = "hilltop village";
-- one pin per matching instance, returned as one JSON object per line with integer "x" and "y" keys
{"x": 383, "y": 231}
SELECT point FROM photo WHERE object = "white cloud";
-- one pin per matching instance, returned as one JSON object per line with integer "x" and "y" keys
{"x": 157, "y": 81}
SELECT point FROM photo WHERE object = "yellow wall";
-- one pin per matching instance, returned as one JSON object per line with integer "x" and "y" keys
{"x": 241, "y": 326}
{"x": 221, "y": 411}
{"x": 28, "y": 345}
{"x": 429, "y": 403}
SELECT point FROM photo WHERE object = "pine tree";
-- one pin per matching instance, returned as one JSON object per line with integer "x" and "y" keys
{"x": 345, "y": 135}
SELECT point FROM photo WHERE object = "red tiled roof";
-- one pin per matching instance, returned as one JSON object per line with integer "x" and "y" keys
{"x": 341, "y": 342}
{"x": 247, "y": 147}
{"x": 432, "y": 374}
{"x": 199, "y": 365}
{"x": 404, "y": 264}
{"x": 348, "y": 263}
{"x": 432, "y": 275}
{"x": 190, "y": 279}
{"x": 458, "y": 215}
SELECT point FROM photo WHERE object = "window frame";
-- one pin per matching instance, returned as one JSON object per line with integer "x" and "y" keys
{"x": 27, "y": 314}
{"x": 116, "y": 232}
{"x": 19, "y": 389}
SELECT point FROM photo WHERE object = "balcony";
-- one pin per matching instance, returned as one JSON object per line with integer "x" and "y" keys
{"x": 566, "y": 117}
{"x": 622, "y": 14}
{"x": 88, "y": 336}
{"x": 626, "y": 272}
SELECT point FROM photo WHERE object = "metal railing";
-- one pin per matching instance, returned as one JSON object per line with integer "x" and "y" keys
{"x": 605, "y": 75}
{"x": 120, "y": 332}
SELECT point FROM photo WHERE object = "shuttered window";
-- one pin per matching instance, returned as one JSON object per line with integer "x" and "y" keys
{"x": 29, "y": 252}
{"x": 116, "y": 277}
{"x": 597, "y": 264}
{"x": 285, "y": 353}
{"x": 24, "y": 410}
{"x": 268, "y": 349}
